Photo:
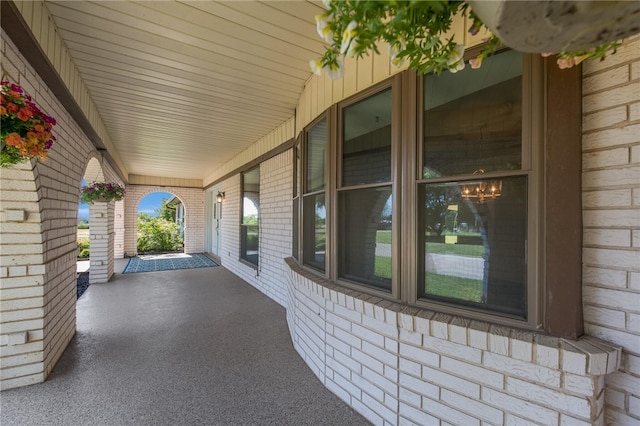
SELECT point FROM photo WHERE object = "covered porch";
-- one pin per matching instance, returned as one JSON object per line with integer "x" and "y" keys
{"x": 192, "y": 346}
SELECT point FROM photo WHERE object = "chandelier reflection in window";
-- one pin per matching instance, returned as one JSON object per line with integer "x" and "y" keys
{"x": 482, "y": 189}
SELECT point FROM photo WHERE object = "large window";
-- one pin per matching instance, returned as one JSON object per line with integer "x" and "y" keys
{"x": 314, "y": 216}
{"x": 250, "y": 226}
{"x": 364, "y": 197}
{"x": 473, "y": 193}
{"x": 426, "y": 190}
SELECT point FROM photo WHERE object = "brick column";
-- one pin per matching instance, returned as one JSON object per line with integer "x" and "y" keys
{"x": 102, "y": 241}
{"x": 118, "y": 226}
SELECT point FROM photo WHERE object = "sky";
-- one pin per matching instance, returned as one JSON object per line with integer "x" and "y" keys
{"x": 147, "y": 205}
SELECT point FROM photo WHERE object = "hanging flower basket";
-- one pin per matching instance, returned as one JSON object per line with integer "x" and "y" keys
{"x": 101, "y": 192}
{"x": 25, "y": 131}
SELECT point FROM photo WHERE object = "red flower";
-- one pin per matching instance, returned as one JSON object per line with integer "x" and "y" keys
{"x": 13, "y": 139}
{"x": 25, "y": 129}
{"x": 24, "y": 114}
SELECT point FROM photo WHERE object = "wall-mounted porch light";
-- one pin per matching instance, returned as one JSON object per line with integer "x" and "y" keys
{"x": 220, "y": 197}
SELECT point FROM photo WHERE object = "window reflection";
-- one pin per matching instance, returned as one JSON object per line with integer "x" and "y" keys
{"x": 365, "y": 236}
{"x": 473, "y": 118}
{"x": 366, "y": 147}
{"x": 315, "y": 231}
{"x": 249, "y": 228}
{"x": 316, "y": 156}
{"x": 475, "y": 249}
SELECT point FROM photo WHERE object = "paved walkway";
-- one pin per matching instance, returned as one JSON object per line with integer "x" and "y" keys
{"x": 445, "y": 264}
{"x": 185, "y": 347}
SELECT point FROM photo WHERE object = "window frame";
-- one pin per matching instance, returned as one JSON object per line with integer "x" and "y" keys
{"x": 242, "y": 255}
{"x": 532, "y": 168}
{"x": 395, "y": 84}
{"x": 296, "y": 191}
{"x": 302, "y": 189}
{"x": 552, "y": 101}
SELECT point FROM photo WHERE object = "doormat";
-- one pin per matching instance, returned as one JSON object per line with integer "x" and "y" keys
{"x": 167, "y": 262}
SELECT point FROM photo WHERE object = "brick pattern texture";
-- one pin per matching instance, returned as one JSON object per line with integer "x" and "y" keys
{"x": 400, "y": 365}
{"x": 275, "y": 222}
{"x": 393, "y": 364}
{"x": 415, "y": 367}
{"x": 38, "y": 255}
{"x": 611, "y": 212}
{"x": 194, "y": 227}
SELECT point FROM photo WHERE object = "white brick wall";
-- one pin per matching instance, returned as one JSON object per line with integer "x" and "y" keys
{"x": 439, "y": 369}
{"x": 194, "y": 226}
{"x": 38, "y": 255}
{"x": 611, "y": 207}
{"x": 276, "y": 177}
{"x": 401, "y": 365}
{"x": 102, "y": 241}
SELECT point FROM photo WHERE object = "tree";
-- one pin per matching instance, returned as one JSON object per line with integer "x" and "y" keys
{"x": 158, "y": 234}
{"x": 166, "y": 211}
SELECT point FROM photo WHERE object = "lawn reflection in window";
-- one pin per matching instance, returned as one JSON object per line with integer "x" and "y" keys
{"x": 475, "y": 249}
{"x": 249, "y": 229}
{"x": 365, "y": 236}
{"x": 315, "y": 223}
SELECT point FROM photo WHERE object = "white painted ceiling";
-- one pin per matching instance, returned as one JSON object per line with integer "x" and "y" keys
{"x": 184, "y": 86}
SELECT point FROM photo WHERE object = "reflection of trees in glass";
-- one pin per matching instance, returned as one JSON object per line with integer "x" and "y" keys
{"x": 320, "y": 222}
{"x": 448, "y": 213}
{"x": 436, "y": 204}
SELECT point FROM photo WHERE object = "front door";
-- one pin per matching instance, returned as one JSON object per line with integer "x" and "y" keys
{"x": 214, "y": 216}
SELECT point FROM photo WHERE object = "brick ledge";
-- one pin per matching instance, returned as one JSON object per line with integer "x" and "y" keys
{"x": 585, "y": 356}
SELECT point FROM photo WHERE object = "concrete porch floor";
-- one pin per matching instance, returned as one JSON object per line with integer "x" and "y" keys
{"x": 185, "y": 347}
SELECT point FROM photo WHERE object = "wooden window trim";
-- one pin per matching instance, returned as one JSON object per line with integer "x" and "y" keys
{"x": 555, "y": 137}
{"x": 562, "y": 310}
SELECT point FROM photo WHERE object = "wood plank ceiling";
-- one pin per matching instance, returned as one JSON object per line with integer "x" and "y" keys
{"x": 184, "y": 86}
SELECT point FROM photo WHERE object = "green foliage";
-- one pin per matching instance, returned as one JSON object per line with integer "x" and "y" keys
{"x": 412, "y": 30}
{"x": 158, "y": 234}
{"x": 250, "y": 220}
{"x": 417, "y": 31}
{"x": 101, "y": 191}
{"x": 166, "y": 212}
{"x": 83, "y": 247}
{"x": 83, "y": 223}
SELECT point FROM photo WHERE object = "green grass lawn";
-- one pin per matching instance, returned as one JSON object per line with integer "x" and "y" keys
{"x": 454, "y": 287}
{"x": 383, "y": 237}
{"x": 383, "y": 267}
{"x": 439, "y": 285}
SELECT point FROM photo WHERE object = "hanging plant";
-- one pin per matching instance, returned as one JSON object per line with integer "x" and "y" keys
{"x": 25, "y": 131}
{"x": 415, "y": 31}
{"x": 101, "y": 191}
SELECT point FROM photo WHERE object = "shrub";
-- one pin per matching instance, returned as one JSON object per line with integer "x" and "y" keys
{"x": 158, "y": 234}
{"x": 83, "y": 248}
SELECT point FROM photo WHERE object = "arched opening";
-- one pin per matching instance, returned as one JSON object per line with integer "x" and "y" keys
{"x": 101, "y": 228}
{"x": 160, "y": 224}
